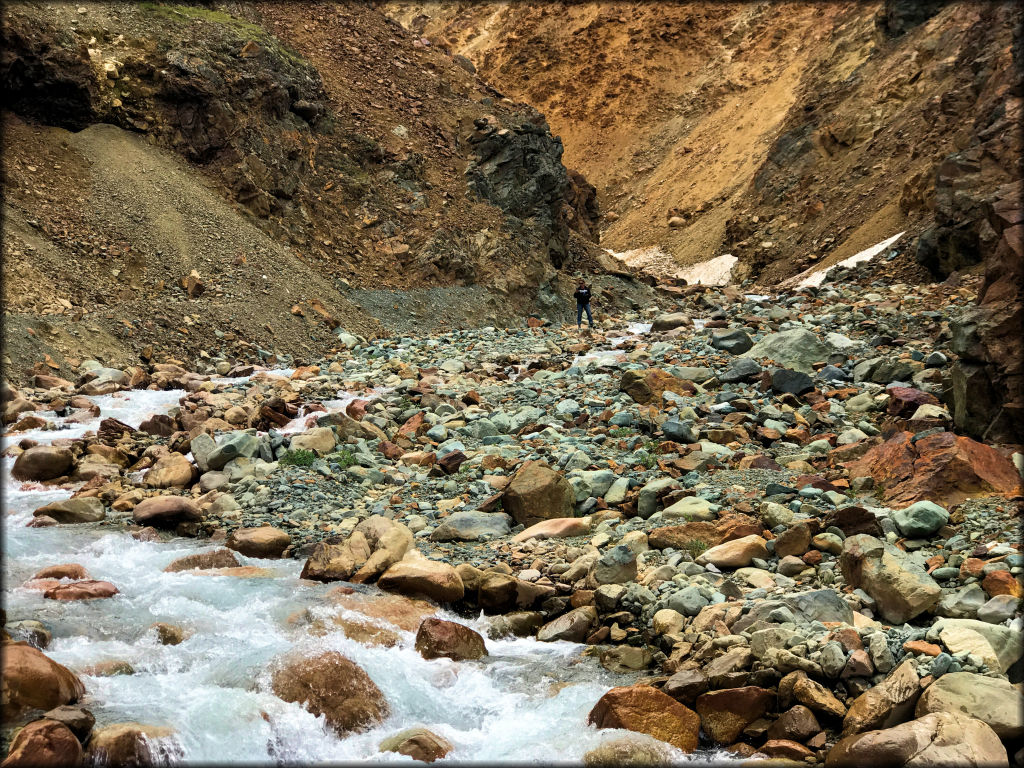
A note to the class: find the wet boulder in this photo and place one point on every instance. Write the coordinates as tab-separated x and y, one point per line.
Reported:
375	545
645	709
132	744
44	743
31	680
72	571
217	558
438	638
573	626
264	541
42	462
418	576
79	720
639	751
335	687
417	743
88	589
166	511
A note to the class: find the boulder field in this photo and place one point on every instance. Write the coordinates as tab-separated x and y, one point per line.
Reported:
782	546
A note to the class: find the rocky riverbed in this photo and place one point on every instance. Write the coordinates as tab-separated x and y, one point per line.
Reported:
744	517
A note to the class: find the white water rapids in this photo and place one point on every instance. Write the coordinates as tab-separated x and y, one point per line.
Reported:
526	702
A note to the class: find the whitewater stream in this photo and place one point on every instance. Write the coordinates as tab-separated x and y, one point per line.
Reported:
526	702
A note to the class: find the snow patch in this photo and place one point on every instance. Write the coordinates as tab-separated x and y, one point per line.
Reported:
716	271
814	278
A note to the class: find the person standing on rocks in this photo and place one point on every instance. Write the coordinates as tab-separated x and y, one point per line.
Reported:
582	297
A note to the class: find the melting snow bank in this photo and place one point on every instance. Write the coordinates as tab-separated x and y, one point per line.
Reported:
814	278
716	271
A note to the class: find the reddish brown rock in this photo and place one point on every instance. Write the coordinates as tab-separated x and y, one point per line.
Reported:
89	589
333	686
726	713
44	743
649	386
944	468
647	710
728	528
796	724
903	401
438	638
1002	583
31	680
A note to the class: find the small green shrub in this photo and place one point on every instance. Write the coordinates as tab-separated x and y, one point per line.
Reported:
649	461
696	547
620	432
345	458
297	458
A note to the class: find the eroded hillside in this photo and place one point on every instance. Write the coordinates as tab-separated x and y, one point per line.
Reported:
785	134
178	174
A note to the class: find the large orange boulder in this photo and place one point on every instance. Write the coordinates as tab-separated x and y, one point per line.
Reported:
418	576
171	471
32	680
406	613
44	743
438	638
647	710
335	687
944	468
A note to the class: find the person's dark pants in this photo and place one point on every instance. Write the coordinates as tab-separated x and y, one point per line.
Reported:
579	315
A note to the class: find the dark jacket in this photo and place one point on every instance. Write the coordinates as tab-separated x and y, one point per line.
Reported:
582	295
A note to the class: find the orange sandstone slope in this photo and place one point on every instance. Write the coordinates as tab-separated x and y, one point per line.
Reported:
785	133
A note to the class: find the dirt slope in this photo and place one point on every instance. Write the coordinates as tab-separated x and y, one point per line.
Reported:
145	141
